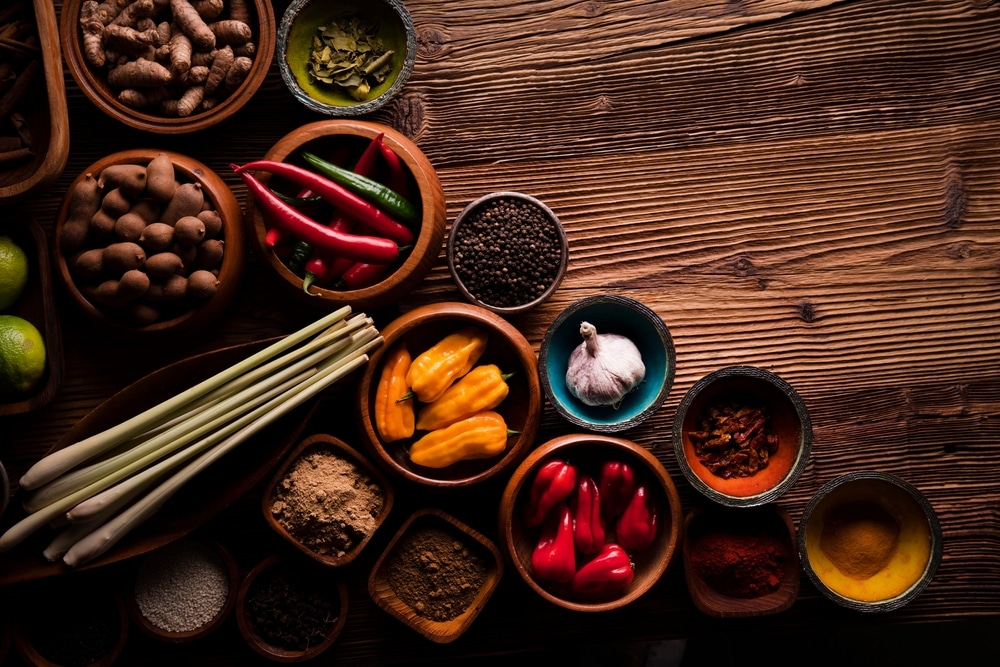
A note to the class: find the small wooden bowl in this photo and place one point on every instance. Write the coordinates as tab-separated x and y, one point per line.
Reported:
340	448
442	632
321	579
200	314
788	418
46	113
767	520
217	552
587	452
326	138
421	328
37	304
95	86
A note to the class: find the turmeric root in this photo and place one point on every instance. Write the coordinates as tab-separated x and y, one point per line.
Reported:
220	67
92	33
238	73
139	74
190	100
180	52
139	98
190	21
231	32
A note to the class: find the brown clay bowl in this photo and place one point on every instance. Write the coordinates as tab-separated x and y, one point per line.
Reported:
787	418
401	607
319	579
704	525
323	442
94	84
588	452
420	329
184	316
331	139
218	553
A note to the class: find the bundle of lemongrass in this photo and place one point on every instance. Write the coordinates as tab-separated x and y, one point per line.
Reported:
101	487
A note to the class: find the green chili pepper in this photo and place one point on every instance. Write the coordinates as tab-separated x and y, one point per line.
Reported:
389	200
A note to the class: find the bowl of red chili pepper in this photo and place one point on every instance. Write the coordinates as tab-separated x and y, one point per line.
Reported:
590	522
742	436
345	212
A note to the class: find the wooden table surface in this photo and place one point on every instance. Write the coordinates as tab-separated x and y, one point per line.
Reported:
808	186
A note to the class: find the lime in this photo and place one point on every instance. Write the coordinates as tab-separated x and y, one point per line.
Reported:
13	272
22	355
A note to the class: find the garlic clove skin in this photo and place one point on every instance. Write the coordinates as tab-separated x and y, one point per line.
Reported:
603	368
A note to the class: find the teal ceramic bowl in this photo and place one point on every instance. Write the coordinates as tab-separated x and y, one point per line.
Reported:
610	313
388	19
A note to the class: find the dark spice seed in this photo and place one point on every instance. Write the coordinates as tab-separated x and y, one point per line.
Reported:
289	610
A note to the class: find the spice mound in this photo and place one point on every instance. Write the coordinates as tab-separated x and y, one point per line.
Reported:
327	502
740	564
859	538
182	587
290	608
735	440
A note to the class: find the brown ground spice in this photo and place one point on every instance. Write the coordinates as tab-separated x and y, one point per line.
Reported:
859	538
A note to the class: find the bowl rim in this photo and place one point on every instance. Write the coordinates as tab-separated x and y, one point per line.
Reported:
933	560
662	331
350	110
563	251
801	457
4	488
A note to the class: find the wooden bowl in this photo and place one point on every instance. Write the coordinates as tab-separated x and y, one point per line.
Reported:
37	304
420	329
46	114
522	256
94	84
319	579
187	315
587	453
330	138
729	591
871	498
786	418
340	449
4	489
217	553
401	605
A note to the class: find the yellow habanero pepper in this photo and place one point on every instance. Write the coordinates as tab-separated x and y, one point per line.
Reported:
394	418
433	371
480	436
482	388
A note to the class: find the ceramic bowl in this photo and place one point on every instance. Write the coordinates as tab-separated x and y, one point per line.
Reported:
506	347
882	575
309	581
537	246
325	444
587	453
45	114
169	561
331	139
784	417
187	314
93	81
482	566
298	31
726	582
610	314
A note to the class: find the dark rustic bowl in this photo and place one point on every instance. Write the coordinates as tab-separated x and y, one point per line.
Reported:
421	328
441	632
767	520
324	138
4	489
587	452
609	313
339	447
789	419
920	543
295	34
486	201
95	86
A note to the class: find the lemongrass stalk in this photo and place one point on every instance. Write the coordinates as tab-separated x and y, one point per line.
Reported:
102	539
58	462
72	533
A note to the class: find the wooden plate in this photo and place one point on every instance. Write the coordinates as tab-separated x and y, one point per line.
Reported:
201	499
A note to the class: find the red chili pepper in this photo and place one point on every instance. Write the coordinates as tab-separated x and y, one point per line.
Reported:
273	237
296	223
553	483
397	171
637	525
554	558
369	158
345	200
610	571
588	521
617	484
362	274
322	268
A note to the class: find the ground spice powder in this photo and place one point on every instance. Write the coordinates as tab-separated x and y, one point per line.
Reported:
859	538
435	572
743	565
182	587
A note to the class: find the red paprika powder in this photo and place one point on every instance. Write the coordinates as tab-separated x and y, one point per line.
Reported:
740	564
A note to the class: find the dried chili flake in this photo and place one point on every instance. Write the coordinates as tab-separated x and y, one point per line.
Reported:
734	440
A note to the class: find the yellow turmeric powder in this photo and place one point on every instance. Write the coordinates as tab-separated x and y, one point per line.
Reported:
859	538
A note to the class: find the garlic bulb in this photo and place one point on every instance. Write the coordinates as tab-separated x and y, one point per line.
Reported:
604	367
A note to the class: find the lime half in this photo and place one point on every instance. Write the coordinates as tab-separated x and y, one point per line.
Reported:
22	356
